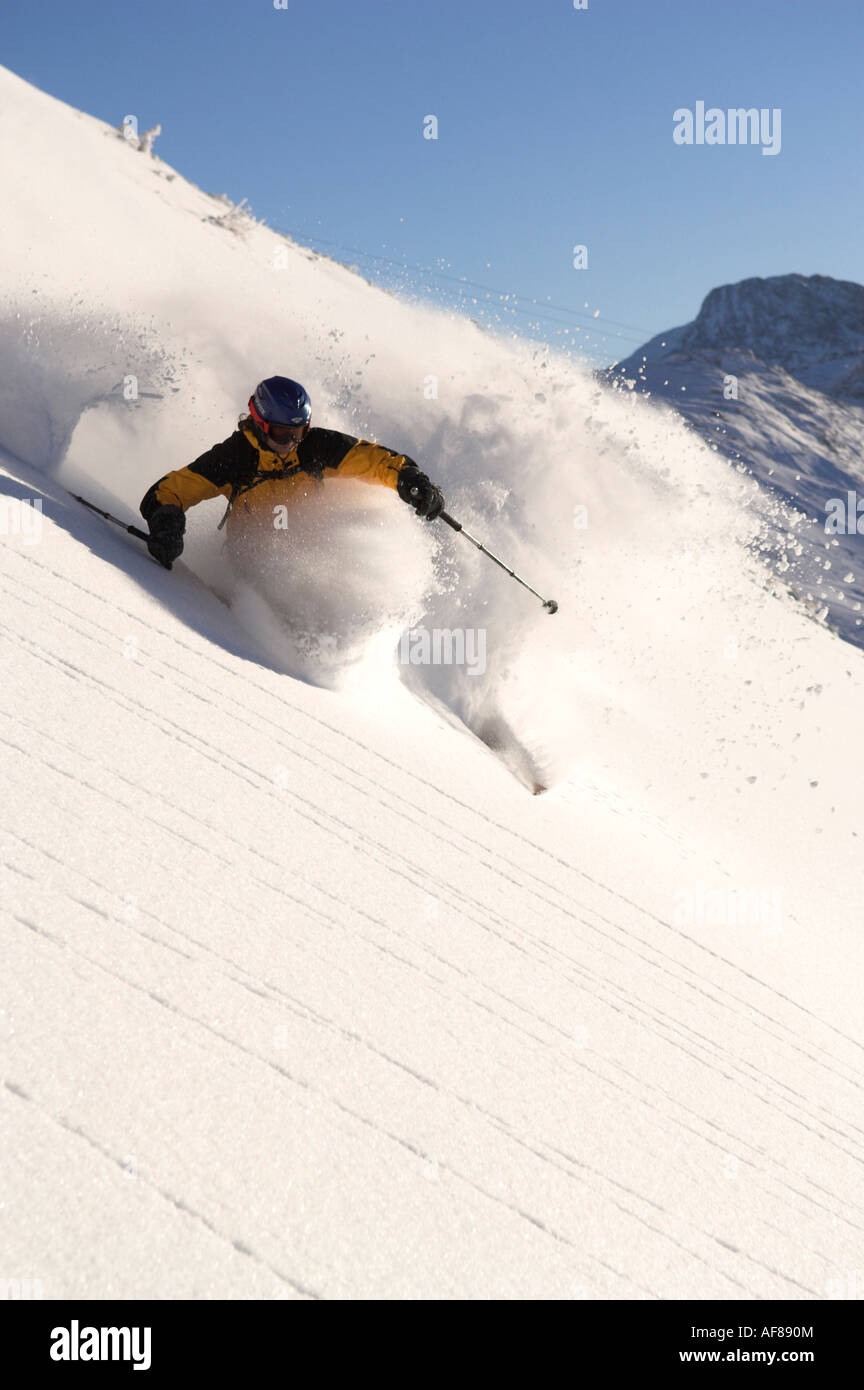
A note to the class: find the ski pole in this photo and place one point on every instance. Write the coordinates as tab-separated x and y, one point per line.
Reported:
133	530
548	603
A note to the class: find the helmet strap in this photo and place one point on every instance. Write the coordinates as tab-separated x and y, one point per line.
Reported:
262	425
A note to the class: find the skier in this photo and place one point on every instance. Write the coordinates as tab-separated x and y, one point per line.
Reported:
274	456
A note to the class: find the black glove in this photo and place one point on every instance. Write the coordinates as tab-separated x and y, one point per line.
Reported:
421	494
167	525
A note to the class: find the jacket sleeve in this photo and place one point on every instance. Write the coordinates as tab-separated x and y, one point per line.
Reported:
214	474
325	450
373	463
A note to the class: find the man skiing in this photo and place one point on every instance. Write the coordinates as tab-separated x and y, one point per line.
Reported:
272	458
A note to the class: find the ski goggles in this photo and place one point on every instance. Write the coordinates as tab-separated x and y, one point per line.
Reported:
285	434
279	433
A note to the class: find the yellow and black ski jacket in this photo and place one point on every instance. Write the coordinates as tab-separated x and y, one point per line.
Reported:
254	479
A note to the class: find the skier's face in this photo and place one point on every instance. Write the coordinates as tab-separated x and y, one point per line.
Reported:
283	439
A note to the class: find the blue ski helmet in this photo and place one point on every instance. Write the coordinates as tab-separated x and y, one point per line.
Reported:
280	401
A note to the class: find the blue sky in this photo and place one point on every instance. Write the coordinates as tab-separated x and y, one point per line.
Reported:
554	130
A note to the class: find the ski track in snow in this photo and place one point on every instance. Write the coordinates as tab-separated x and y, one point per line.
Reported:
701	1016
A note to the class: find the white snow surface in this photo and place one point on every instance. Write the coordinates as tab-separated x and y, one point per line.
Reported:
303	994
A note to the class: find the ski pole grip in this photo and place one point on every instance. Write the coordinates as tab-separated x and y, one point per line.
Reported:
445	516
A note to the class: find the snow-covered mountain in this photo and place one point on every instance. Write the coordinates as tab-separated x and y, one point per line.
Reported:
771	373
303	994
810	325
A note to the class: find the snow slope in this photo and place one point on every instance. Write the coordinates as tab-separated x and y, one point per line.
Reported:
303	994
